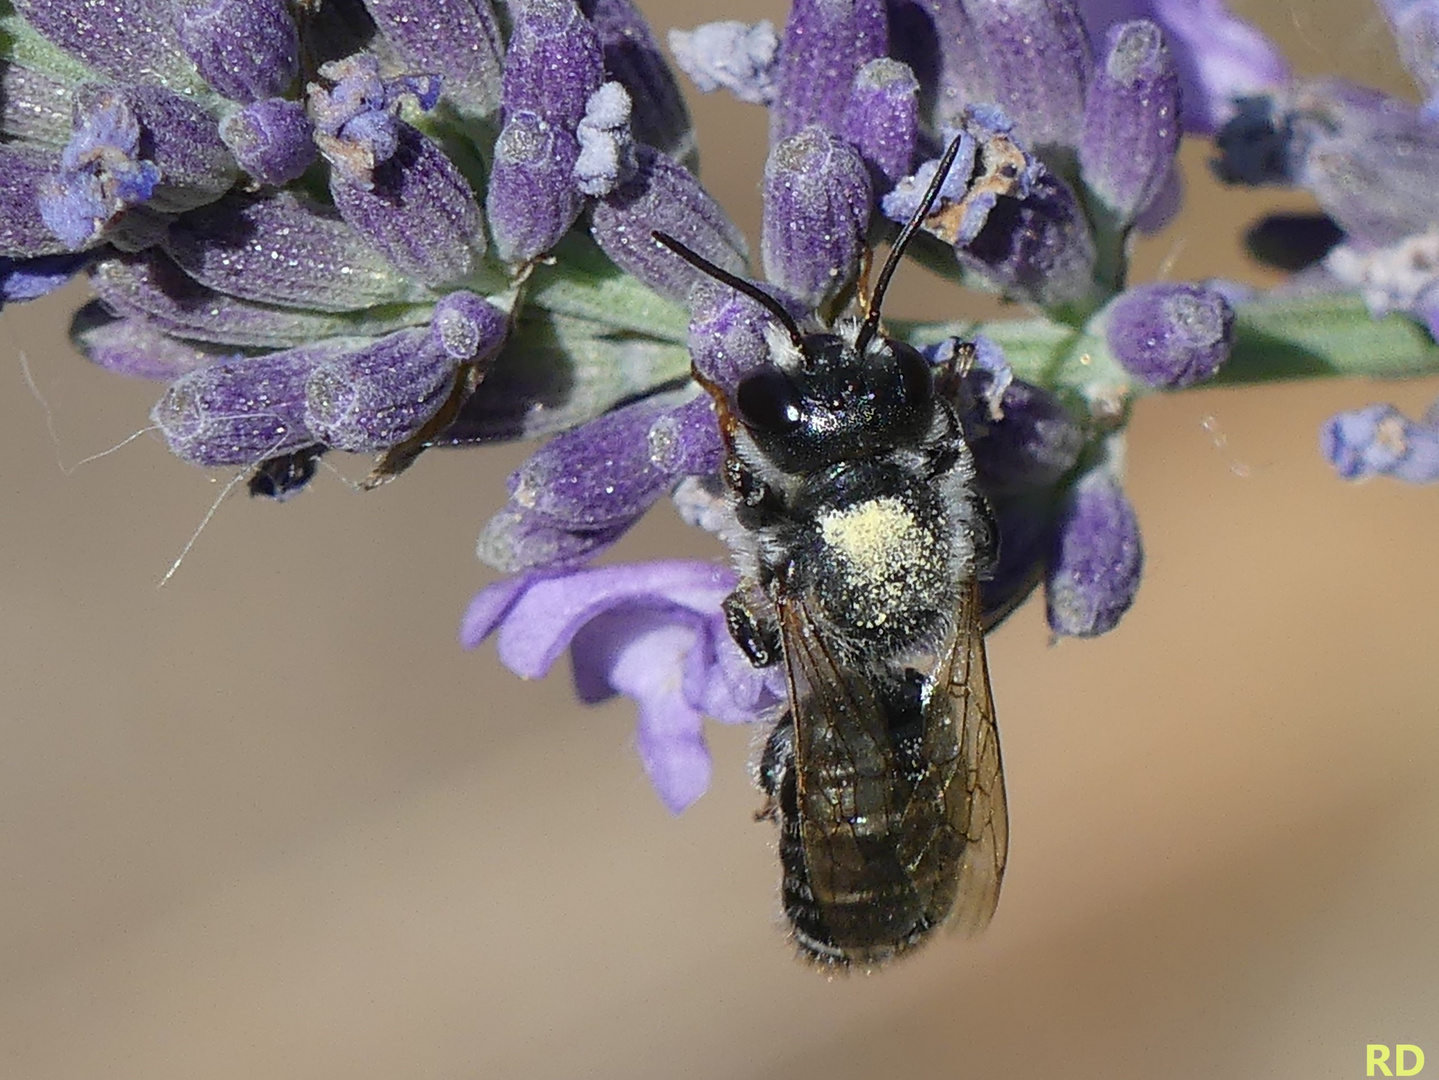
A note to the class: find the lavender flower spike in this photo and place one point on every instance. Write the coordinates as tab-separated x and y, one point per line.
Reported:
245	49
817	202
650	631
1131	121
1095	564
825	44
1171	335
1380	441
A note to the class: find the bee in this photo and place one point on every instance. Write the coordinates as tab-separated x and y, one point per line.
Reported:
864	539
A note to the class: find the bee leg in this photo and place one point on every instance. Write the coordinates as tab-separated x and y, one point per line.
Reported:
776	760
756	635
756	504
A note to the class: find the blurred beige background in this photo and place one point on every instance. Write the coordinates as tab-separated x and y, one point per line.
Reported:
270	821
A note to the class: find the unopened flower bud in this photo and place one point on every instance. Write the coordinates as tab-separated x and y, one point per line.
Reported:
1095	565
1171	335
245	49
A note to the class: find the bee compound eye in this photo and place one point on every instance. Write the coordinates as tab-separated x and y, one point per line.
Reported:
768	401
916	379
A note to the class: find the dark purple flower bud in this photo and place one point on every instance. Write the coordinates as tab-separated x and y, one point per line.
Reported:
1037	58
554	62
418	211
633	58
101	173
727	332
665	196
148	284
468	328
132	40
245	49
1171	335
532	199
1381	441
881	120
379	395
938	42
242	411
1097	558
817	202
281	249
356	126
273	140
607	149
457	39
29	279
1220	58
1131	121
34	107
1026	536
1039	248
732	56
136	346
603	473
516	540
685	440
1032	442
825	44
653	632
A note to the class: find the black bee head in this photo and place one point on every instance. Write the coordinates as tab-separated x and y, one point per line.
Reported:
835	405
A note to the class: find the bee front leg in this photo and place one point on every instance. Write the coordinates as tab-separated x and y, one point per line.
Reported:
756	633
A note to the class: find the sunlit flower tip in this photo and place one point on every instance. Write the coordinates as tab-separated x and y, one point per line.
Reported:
734	56
652	632
101	173
1171	335
378	396
1131	121
418	210
605	473
27	279
1220	58
607	149
554	62
132	40
881	119
136	346
664	196
1096	560
531	200
245	49
468	328
817	202
282	249
824	45
1416	33
459	40
1039	63
633	59
273	140
727	336
240	411
515	540
1381	441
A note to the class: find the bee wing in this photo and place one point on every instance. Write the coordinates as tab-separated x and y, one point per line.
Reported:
964	769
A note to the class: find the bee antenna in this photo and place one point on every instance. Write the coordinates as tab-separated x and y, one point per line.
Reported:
870	326
735	282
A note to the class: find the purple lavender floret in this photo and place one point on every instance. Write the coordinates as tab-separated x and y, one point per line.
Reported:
881	120
652	632
633	59
532	199
824	45
607	147
458	40
1171	335
554	63
1380	441
272	140
1096	561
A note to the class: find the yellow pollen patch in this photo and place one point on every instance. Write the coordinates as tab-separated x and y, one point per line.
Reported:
878	533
